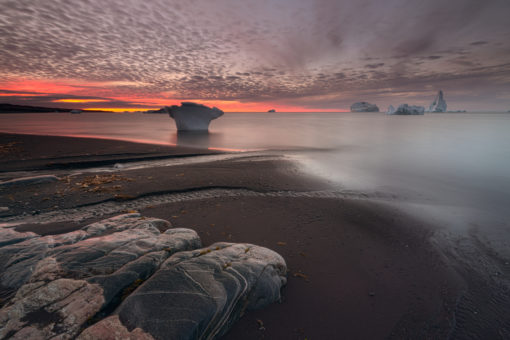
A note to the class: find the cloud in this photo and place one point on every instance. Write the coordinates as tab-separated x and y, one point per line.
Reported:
251	51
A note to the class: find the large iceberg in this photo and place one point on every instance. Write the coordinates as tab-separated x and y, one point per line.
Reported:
391	110
192	116
405	109
364	107
439	104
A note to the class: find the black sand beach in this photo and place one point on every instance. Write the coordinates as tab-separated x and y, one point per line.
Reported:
357	269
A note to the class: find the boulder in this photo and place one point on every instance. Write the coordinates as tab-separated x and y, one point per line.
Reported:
405	109
199	294
364	107
192	116
138	277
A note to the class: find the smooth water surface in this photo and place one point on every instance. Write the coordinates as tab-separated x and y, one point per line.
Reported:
456	165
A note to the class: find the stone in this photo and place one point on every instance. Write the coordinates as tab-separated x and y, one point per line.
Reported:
199	294
192	116
61	281
405	109
271	111
138	277
364	107
439	104
112	329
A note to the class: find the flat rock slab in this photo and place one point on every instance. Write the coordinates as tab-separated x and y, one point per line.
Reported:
122	278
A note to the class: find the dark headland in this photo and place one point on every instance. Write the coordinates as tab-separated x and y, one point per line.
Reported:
11	108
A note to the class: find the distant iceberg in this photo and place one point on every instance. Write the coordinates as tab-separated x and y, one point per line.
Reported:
439	104
405	109
391	110
272	110
192	116
364	107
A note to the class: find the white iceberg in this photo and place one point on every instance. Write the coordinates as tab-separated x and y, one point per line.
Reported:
391	110
364	107
405	109
439	104
192	116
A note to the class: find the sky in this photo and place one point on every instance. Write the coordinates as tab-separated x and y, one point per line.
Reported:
244	55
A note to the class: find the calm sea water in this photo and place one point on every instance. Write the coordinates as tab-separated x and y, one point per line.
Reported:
454	168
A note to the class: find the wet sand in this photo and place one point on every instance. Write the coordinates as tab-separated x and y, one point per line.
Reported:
358	269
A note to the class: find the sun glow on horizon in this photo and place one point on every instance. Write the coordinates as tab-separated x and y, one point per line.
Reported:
126	101
79	100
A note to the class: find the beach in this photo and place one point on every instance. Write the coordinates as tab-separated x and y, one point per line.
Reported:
356	268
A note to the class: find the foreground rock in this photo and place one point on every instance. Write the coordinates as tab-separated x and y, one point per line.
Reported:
364	107
405	109
192	116
158	281
199	294
439	104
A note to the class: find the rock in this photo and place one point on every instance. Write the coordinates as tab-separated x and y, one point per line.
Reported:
405	109
10	236
30	180
439	104
63	280
272	110
199	294
4	209
112	329
154	277
391	110
364	107
192	116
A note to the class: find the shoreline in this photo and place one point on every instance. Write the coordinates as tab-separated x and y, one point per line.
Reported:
357	268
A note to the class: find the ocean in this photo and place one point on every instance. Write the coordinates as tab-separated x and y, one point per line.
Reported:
452	169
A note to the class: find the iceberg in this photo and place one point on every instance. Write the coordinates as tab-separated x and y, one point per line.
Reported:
364	107
439	104
192	117
391	110
272	110
405	109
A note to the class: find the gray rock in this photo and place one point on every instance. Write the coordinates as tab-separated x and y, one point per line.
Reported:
364	107
112	329
405	109
158	283
43	179
199	294
63	280
192	116
11	236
